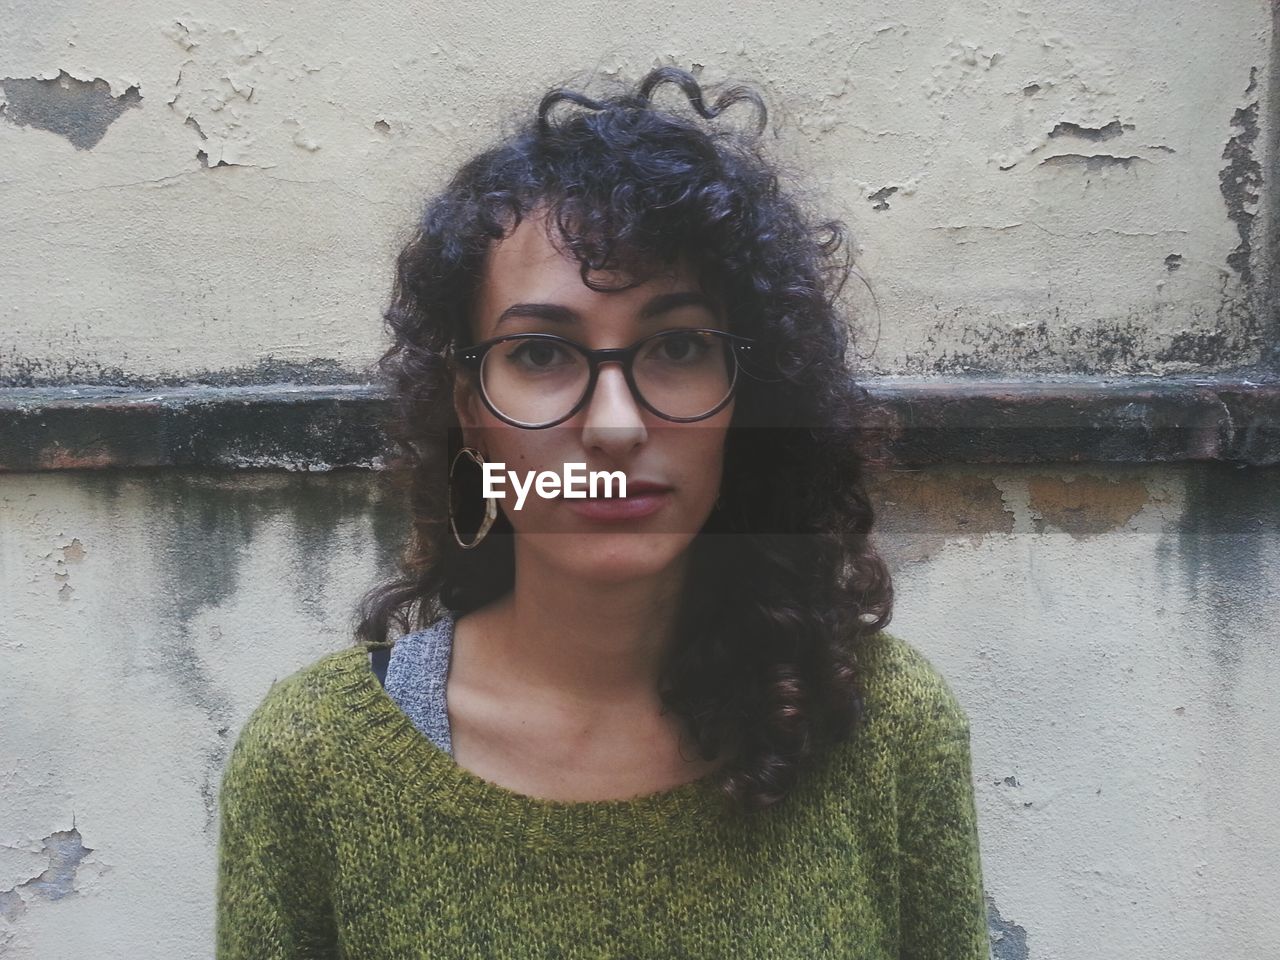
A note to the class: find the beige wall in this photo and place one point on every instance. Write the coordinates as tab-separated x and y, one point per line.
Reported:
1001	246
1041	188
1111	633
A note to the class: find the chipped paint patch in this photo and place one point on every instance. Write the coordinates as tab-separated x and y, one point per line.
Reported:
64	853
919	512
10	906
1084	506
1008	939
880	199
1107	131
78	110
1092	162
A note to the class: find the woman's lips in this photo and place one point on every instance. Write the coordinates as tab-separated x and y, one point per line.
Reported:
638	503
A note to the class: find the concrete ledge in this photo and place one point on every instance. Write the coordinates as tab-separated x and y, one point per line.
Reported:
1139	420
911	421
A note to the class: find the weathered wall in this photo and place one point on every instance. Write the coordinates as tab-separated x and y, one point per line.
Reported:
1044	187
1113	634
1110	631
1074	190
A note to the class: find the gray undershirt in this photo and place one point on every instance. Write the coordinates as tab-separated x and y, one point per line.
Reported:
416	675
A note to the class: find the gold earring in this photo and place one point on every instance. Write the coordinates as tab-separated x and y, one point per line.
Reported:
491	503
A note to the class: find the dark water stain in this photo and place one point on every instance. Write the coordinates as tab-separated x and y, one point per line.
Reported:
1269	306
20	371
203	527
1241	182
1219	548
956	344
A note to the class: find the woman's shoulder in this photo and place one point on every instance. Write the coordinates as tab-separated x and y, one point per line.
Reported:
298	709
906	692
273	790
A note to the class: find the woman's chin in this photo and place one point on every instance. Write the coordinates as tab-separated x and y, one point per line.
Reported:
608	557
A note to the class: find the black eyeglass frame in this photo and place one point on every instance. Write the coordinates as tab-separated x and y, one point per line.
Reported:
473	356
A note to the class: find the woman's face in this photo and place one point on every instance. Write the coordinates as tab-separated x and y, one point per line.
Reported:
611	432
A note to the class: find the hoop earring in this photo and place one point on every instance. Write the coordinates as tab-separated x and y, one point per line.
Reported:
491	504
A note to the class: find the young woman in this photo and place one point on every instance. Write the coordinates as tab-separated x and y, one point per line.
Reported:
663	725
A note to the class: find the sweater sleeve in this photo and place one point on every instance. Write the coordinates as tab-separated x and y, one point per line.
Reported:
272	890
943	909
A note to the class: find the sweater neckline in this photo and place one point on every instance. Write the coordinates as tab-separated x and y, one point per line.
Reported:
427	779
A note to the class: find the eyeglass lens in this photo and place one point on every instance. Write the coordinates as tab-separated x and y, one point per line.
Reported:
682	373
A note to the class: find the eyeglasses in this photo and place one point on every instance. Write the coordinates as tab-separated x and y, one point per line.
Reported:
537	380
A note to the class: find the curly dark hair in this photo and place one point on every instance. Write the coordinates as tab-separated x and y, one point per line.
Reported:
784	584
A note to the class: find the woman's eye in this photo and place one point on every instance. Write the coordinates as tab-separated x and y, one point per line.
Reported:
680	348
537	354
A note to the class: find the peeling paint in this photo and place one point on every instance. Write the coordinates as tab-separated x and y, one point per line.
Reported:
216	92
919	512
239	94
203	158
79	110
1084	506
1070	130
1241	181
74	551
962	69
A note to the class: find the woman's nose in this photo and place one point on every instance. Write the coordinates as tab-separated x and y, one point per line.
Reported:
614	421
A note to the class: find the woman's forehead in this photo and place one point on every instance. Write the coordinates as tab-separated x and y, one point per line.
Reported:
527	266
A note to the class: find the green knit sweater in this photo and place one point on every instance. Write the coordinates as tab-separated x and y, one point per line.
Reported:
345	832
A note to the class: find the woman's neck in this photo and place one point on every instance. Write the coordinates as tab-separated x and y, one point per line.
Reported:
596	645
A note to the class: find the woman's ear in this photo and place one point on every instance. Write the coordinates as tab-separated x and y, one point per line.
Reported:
466	404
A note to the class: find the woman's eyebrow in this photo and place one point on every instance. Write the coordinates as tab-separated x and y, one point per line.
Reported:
556	313
666	302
